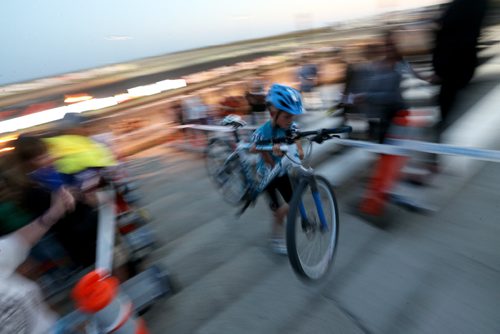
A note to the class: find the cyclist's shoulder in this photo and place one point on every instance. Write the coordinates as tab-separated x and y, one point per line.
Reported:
262	132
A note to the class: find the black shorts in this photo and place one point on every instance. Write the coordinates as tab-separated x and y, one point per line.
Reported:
284	186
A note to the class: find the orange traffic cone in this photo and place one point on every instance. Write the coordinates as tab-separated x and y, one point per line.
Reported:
112	311
387	172
388	169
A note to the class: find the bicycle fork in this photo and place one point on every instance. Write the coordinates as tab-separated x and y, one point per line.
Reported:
319	208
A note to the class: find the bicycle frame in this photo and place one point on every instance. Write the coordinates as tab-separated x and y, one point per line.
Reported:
255	189
317	218
307	175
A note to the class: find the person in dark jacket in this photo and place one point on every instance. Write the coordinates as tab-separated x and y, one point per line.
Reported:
455	51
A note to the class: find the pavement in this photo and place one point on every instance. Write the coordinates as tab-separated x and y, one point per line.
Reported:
435	273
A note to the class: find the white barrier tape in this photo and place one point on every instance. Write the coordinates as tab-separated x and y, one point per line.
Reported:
373	147
217	128
393	146
426	147
406	147
105	231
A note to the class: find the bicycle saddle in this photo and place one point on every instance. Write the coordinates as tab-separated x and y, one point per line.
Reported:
233	120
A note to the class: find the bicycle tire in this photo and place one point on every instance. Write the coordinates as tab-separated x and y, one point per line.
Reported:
216	153
296	228
235	186
226	173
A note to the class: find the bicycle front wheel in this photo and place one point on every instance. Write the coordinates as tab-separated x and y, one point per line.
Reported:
312	228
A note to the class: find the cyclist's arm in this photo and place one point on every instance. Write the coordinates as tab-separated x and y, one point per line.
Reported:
266	155
268	159
300	150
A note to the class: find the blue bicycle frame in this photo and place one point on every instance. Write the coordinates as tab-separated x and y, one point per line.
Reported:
253	190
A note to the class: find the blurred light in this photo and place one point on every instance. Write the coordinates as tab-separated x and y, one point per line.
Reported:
123	97
8	138
156	88
171	84
55	114
81	103
144	90
28	121
77	98
93	104
5	149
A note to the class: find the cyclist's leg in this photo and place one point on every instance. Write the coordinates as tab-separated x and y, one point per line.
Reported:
278	243
272	194
284	186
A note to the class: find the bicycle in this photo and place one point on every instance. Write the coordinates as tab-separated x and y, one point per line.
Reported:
218	149
313	218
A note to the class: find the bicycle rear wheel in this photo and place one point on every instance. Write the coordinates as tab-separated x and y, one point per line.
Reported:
233	186
311	245
218	150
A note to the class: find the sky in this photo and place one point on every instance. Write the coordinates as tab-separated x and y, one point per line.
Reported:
43	38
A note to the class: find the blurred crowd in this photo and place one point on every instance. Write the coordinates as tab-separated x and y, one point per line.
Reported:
49	215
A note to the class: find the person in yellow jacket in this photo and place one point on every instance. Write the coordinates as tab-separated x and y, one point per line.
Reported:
76	155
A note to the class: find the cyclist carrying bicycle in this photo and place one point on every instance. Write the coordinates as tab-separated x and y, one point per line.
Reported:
284	103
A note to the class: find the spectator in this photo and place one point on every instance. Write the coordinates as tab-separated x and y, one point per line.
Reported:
256	98
373	89
176	108
36	180
455	51
356	76
307	74
195	110
22	309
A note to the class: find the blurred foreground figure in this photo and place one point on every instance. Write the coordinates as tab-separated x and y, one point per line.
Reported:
388	116
22	309
455	51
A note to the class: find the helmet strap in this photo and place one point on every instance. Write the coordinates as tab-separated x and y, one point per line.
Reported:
275	124
276	117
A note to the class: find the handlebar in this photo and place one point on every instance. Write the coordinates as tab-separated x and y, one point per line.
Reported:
319	136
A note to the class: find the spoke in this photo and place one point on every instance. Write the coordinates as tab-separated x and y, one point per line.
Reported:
312	249
320	237
309	256
309	247
305	245
321	234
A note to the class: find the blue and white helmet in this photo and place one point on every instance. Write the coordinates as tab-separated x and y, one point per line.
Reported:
285	98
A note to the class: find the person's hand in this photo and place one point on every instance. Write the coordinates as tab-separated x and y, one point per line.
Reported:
433	79
300	152
277	150
90	198
62	202
358	98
